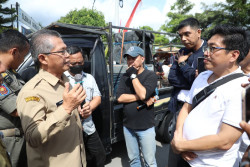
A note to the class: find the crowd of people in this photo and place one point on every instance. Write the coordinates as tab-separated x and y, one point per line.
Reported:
47	121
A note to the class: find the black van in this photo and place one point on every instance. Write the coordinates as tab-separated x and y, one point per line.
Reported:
106	71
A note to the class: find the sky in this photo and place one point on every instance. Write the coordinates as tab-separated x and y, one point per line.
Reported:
150	12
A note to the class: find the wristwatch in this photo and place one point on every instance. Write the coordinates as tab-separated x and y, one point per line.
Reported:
133	76
183	63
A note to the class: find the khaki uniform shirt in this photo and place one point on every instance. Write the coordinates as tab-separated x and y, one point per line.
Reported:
53	137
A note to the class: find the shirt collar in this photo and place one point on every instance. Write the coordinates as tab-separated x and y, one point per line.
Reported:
50	78
69	75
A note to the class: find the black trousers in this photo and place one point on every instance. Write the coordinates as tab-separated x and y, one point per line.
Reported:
95	152
175	160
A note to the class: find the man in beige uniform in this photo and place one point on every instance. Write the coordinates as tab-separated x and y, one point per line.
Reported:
48	108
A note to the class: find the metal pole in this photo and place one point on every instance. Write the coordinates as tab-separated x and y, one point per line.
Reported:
110	44
144	46
17	21
11	17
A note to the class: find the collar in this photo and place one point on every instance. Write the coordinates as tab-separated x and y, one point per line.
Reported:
67	74
51	78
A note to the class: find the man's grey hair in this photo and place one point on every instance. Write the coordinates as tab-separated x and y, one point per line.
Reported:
40	43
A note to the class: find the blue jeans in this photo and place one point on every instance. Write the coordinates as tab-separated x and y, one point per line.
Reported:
143	140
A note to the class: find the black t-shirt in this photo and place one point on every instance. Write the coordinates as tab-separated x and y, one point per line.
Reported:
132	118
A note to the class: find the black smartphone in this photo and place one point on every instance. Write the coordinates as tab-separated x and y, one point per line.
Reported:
201	67
246	104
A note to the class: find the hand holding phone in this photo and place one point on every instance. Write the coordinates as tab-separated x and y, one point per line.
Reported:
246	104
201	67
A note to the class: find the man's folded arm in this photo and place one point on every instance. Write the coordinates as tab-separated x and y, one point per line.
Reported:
224	140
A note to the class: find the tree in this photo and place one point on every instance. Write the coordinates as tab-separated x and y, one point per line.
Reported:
6	16
179	11
159	38
84	16
234	12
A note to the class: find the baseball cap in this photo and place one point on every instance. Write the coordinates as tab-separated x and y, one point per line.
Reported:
134	51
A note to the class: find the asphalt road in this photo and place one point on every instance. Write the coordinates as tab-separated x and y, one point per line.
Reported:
119	156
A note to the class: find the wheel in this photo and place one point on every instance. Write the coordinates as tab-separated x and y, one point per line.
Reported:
163	132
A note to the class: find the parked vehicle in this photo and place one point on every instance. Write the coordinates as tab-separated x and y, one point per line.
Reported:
108	116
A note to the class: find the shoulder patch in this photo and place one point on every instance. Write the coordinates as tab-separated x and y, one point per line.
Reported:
32	98
4	74
4	90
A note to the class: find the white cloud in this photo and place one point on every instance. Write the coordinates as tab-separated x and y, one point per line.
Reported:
48	11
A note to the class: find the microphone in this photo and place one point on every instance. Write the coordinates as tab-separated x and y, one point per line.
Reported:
140	107
78	79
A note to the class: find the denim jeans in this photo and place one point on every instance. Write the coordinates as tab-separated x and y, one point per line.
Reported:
143	140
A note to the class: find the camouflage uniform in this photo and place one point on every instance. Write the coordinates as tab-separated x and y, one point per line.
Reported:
10	126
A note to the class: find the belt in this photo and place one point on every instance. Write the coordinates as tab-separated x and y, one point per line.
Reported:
18	132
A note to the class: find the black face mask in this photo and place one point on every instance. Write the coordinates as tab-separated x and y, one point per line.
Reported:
76	69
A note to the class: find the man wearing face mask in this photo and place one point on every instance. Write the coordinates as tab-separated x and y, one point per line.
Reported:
95	151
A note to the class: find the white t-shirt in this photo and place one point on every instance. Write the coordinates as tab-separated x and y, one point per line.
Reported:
183	94
223	105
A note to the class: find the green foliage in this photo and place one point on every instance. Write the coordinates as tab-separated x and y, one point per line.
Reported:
233	12
7	15
161	39
84	16
179	11
146	28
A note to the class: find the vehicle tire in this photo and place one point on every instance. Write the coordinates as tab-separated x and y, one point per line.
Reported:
163	132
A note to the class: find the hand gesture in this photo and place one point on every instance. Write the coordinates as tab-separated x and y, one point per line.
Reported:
245	84
85	111
246	127
176	142
131	70
188	156
72	98
181	57
150	101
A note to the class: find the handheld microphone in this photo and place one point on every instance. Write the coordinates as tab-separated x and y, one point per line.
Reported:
78	79
140	107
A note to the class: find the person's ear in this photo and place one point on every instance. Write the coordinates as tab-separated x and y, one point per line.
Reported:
13	52
199	32
234	55
143	59
43	59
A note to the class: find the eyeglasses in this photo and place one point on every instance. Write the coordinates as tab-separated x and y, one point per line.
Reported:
211	49
76	63
63	52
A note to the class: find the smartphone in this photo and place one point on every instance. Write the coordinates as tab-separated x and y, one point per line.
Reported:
201	66
246	104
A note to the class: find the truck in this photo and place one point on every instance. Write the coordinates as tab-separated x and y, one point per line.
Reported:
107	71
